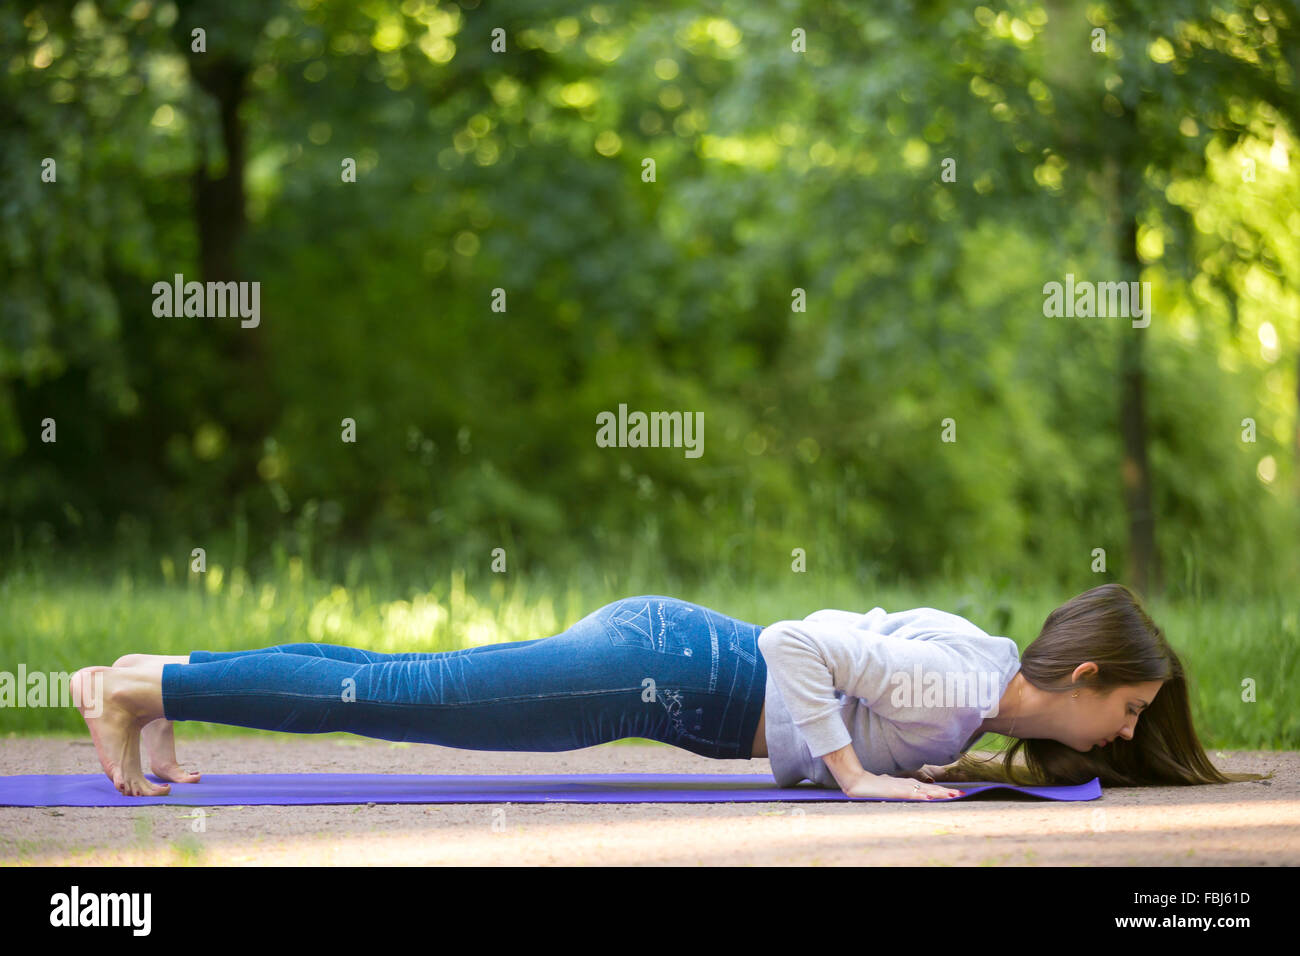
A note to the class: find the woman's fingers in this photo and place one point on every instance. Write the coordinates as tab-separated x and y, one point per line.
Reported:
937	792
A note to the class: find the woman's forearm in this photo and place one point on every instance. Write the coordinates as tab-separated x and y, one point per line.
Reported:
845	766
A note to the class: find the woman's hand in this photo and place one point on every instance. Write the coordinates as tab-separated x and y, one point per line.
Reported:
897	788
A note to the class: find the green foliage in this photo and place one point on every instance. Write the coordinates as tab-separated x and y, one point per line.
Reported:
775	171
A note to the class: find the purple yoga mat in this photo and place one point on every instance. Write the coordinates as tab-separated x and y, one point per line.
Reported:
284	789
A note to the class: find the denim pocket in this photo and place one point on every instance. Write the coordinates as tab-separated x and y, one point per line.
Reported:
652	624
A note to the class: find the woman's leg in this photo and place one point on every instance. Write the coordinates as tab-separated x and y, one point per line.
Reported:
635	668
341	652
158	736
502	697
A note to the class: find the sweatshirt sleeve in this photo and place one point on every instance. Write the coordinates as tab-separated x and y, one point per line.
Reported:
810	660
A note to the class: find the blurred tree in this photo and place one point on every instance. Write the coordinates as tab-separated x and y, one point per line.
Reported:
800	269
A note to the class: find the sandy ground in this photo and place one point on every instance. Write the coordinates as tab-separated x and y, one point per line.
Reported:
1242	824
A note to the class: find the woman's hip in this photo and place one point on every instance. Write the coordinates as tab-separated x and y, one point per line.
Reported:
692	645
700	666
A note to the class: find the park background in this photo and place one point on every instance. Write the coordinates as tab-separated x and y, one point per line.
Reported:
796	146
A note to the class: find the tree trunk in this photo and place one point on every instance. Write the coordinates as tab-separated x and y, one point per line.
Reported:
243	406
1143	559
219	200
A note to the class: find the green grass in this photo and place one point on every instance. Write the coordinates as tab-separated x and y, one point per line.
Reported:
52	619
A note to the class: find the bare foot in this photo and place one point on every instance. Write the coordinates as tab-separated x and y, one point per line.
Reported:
160	743
159	736
115	730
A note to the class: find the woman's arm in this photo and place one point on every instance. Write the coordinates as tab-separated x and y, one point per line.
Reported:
845	766
856	781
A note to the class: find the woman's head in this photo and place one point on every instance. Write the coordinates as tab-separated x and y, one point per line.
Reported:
1132	691
1100	715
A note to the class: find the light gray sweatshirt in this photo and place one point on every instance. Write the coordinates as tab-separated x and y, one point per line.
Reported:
905	689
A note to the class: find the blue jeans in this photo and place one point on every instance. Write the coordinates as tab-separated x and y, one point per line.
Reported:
649	666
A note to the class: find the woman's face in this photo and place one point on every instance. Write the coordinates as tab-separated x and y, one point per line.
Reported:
1100	718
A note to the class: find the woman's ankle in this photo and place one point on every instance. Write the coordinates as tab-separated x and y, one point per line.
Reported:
137	690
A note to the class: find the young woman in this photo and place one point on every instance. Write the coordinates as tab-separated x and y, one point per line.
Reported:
871	703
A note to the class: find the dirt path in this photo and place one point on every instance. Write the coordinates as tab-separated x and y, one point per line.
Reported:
1244	824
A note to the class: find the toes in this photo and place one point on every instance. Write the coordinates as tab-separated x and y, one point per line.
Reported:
144	788
175	773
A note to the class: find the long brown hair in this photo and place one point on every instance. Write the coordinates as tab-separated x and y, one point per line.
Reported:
1108	626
